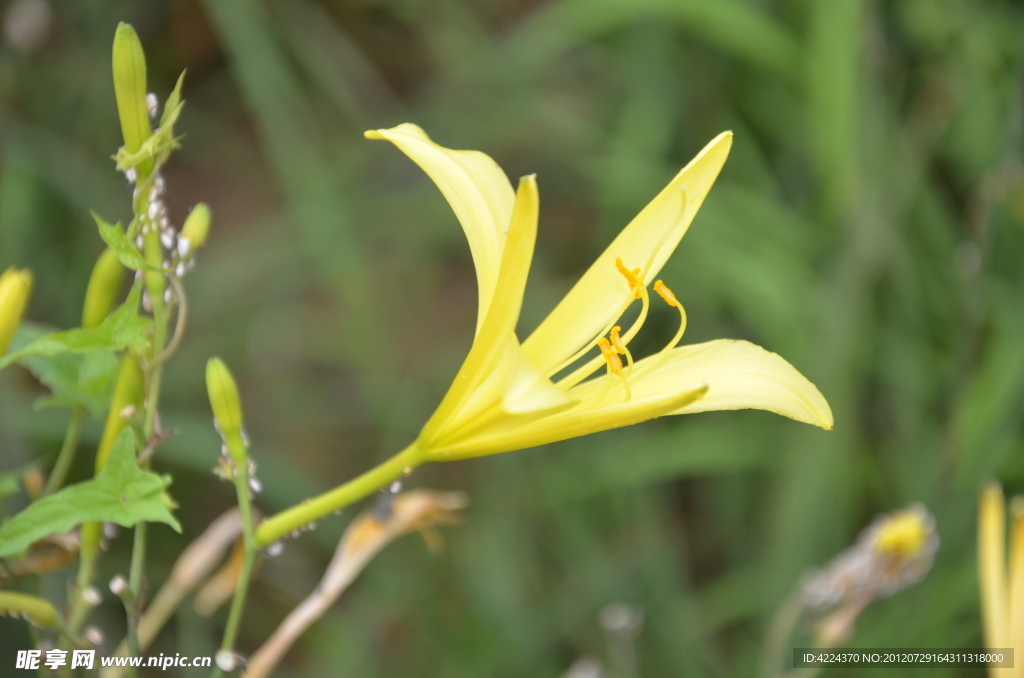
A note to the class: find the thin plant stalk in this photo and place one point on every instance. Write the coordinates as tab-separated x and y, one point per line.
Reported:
285	522
236	446
67	452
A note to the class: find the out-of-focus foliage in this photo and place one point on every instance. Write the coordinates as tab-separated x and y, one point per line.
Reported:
868	227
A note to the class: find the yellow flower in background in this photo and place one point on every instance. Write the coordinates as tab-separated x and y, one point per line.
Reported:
1001	584
15	288
511	395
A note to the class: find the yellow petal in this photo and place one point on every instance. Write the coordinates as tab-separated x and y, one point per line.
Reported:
1016	579
573	423
992	565
649	239
739	375
498	327
478	191
527	390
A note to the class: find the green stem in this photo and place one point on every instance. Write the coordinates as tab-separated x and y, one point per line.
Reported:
239	453
134	599
155	285
67	452
311	510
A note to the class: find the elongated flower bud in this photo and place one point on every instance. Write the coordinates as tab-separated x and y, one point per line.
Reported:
129	391
197	226
129	65
15	288
227	408
104	284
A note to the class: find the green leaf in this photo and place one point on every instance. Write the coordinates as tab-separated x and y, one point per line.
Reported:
173	100
118	240
156	147
119	330
121	493
10	483
74	379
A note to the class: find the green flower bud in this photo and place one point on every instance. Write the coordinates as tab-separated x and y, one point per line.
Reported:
15	288
197	226
227	409
104	284
128	392
129	64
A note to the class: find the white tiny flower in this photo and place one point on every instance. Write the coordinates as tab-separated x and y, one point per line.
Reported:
225	660
118	585
92	595
183	246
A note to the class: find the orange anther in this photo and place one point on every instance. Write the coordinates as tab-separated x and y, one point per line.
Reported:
665	293
616	340
632	277
610	356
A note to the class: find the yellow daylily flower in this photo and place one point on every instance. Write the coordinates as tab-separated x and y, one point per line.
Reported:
1001	582
511	395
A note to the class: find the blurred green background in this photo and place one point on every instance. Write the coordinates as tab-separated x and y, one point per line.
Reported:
867	227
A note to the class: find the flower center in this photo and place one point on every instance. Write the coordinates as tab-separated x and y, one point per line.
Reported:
615	344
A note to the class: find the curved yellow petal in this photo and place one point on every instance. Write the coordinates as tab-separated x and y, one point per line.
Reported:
739	376
497	331
572	423
645	243
992	565
478	191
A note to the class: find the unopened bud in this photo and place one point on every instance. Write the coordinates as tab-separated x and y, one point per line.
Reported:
129	65
15	288
118	585
128	392
196	228
92	595
227	409
94	635
104	284
225	660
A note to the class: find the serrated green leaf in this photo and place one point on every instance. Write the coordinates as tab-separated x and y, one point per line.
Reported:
118	240
119	330
74	379
121	493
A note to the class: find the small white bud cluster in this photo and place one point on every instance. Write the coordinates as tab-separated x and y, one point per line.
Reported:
225	469
178	250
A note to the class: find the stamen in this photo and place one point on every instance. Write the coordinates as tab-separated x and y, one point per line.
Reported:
610	356
670	299
639	292
665	293
632	277
588	368
617	344
614	368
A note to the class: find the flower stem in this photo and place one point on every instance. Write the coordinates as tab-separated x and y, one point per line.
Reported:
67	452
155	285
310	510
238	451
